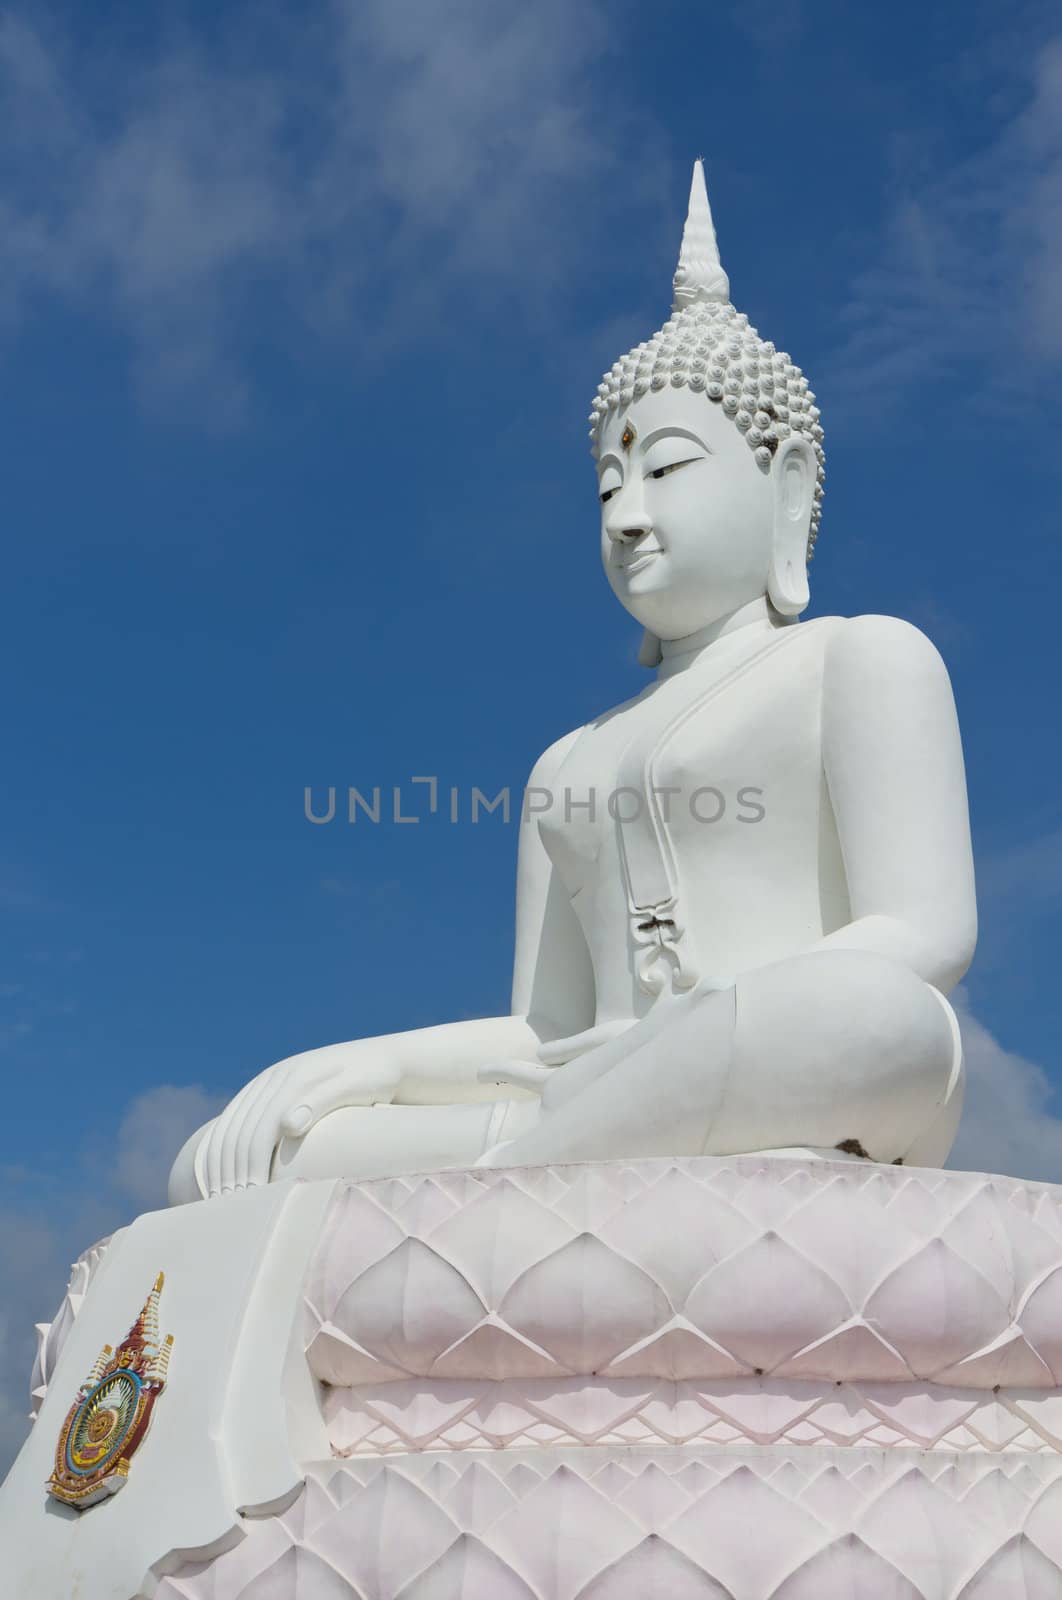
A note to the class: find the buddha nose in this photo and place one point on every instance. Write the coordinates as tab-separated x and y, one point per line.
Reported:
628	518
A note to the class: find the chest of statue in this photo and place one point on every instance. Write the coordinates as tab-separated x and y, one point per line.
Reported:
691	826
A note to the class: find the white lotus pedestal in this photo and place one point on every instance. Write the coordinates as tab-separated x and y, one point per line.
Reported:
743	1379
698	1379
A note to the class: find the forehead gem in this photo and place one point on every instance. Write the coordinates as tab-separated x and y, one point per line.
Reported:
628	437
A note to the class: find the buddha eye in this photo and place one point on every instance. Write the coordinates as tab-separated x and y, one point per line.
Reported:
606	495
662	472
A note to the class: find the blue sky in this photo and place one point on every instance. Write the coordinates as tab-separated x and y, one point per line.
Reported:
301	310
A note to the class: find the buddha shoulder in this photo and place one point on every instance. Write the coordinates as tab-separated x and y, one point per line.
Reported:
549	762
885	687
864	653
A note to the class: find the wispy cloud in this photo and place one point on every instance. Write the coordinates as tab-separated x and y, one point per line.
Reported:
966	281
1019	889
360	155
1011	1122
33	1274
152	1131
41	1232
42	991
1029	872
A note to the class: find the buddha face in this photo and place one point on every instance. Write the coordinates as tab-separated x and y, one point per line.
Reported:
687	513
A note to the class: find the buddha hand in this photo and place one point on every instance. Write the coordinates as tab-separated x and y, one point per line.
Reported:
284	1101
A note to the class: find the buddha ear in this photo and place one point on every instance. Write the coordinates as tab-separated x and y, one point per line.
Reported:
794	471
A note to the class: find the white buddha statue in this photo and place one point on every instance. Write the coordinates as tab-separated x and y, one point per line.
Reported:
742	895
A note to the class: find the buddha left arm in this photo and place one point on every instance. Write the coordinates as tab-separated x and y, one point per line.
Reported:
897	784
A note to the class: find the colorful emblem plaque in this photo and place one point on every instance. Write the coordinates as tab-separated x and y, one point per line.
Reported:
106	1425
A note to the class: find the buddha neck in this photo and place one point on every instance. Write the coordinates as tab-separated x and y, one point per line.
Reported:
759	615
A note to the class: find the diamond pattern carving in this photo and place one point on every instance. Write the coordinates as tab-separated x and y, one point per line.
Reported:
738	1379
770	1525
693	1269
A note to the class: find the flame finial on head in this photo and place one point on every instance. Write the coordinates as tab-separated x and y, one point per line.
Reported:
699	276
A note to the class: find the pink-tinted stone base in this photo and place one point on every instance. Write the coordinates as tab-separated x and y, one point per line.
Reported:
739	1379
804	1524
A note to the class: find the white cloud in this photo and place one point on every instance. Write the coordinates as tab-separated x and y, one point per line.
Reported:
1019	890
45	1231
967	277
33	1275
1010	1122
152	1131
371	165
1028	873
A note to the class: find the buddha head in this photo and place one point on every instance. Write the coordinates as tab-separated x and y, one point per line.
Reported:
709	458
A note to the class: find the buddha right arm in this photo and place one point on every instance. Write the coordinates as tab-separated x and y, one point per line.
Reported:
423	1066
553	995
553	978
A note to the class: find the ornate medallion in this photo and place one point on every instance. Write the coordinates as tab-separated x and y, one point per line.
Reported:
105	1426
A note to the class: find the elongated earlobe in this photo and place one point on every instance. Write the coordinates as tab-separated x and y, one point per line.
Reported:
793	471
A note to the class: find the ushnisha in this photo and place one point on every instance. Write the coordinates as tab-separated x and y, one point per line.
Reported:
760	986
